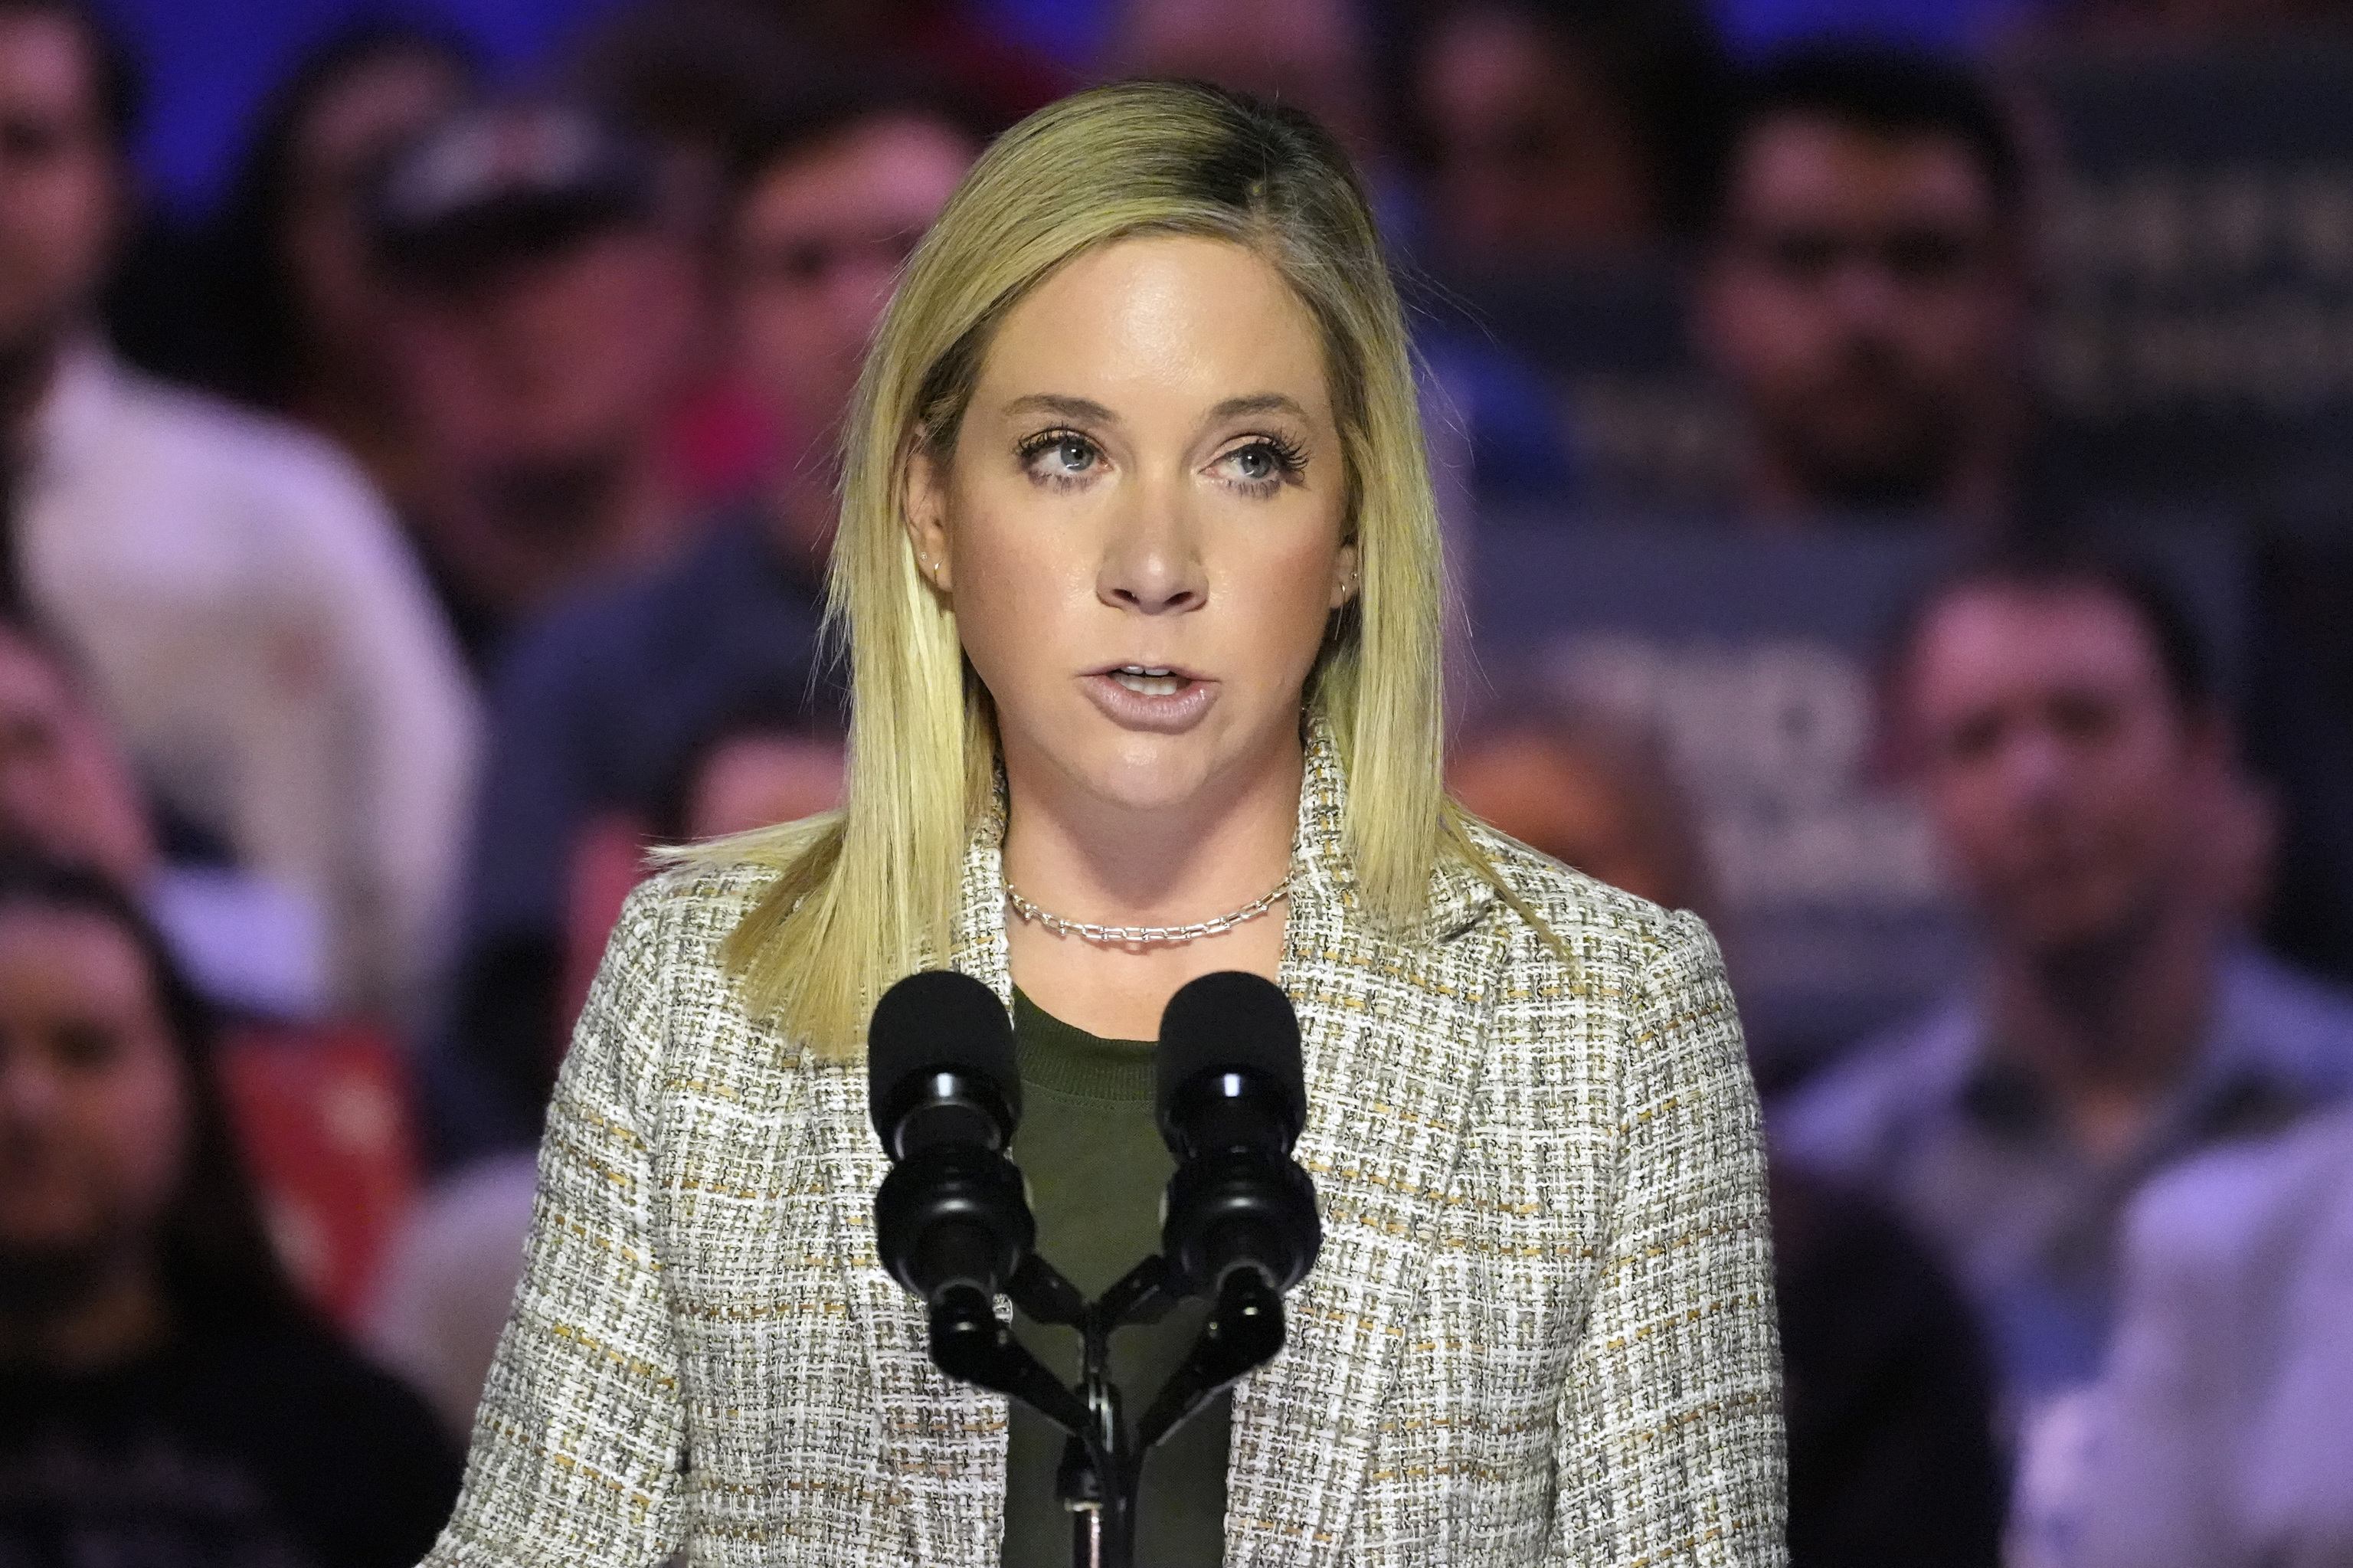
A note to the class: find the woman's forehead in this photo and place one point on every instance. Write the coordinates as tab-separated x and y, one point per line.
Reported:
1160	320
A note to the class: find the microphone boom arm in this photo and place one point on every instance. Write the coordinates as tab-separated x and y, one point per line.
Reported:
1243	1333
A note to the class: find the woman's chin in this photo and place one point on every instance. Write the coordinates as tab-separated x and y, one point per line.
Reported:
1165	777
1144	773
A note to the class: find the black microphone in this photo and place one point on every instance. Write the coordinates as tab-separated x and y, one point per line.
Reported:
1232	1098
950	1221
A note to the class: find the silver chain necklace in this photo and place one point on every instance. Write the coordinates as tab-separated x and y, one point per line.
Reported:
1145	936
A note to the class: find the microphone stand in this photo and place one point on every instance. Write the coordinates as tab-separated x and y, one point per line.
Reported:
1103	1462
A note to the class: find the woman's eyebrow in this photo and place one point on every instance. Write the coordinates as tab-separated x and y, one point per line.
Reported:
1259	403
1085	409
1088	410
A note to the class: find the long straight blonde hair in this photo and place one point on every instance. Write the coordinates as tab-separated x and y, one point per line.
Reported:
868	894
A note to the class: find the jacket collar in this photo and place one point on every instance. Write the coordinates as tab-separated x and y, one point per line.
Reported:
1390	1028
1320	872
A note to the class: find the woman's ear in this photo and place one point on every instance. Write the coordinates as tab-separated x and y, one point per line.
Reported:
1343	575
927	518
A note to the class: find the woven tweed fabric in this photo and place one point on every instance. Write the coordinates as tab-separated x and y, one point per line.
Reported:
1541	1329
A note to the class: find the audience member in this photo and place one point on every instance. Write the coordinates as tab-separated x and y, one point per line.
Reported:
599	709
167	1398
546	311
1560	135
2219	1431
693	79
1589	787
2058	717
240	598
754	774
66	790
299	292
664	63
66	794
1317	56
1864	289
1888	1403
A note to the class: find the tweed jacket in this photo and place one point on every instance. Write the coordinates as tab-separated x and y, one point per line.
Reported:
1541	1328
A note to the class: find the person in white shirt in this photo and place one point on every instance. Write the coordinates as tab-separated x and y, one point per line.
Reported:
244	607
2219	1434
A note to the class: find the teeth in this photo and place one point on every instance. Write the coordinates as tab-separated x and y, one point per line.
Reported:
1149	682
1139	670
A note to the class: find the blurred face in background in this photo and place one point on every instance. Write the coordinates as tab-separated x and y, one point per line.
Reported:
2066	781
817	245
347	131
60	181
553	360
65	793
1310	54
758	778
94	1105
1864	299
1539	160
1565	803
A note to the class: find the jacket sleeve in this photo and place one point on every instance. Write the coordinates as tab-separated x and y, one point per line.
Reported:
578	1448
1669	1446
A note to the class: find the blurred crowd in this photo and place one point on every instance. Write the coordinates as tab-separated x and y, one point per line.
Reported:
1900	506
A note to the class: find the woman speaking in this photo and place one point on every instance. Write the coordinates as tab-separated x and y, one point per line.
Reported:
1139	569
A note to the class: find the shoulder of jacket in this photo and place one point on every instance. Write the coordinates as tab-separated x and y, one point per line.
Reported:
1589	916
692	901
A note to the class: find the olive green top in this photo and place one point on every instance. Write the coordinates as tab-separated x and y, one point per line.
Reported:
1096	1169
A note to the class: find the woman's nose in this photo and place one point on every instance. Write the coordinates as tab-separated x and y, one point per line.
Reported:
1151	559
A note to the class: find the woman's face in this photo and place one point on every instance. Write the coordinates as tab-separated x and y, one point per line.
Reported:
1141	524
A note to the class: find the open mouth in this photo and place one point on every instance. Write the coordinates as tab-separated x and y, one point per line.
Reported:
1148	681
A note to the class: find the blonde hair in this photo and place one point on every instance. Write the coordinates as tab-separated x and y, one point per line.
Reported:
868	894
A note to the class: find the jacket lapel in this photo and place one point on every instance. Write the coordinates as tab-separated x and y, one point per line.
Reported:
1384	1028
944	1443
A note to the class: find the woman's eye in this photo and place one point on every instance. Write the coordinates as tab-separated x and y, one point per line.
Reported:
1062	456
1260	463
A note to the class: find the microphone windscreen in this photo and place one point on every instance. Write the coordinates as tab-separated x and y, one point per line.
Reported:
936	1019
1230	1020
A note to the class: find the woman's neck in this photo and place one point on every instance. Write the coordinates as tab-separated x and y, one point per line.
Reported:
1084	859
